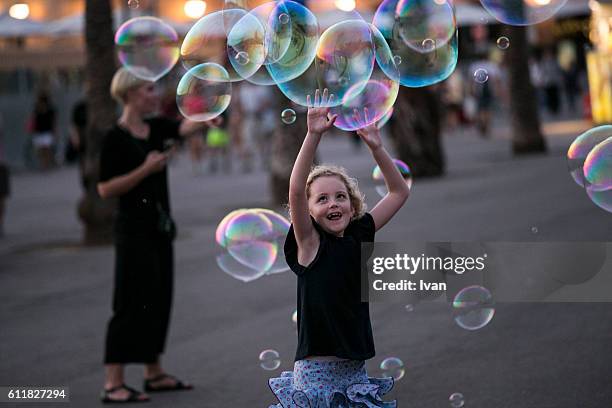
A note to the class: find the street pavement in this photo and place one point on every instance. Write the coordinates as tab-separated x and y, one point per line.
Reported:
56	294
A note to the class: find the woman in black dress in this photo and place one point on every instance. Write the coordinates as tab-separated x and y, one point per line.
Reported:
133	168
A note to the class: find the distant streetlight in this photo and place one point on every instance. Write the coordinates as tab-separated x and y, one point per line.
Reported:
20	11
195	8
345	5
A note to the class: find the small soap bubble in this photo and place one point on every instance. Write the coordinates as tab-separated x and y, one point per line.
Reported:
397	59
133	4
283	18
481	75
503	42
534	230
269	360
456	400
428	45
393	367
242	58
409	307
288	116
473	307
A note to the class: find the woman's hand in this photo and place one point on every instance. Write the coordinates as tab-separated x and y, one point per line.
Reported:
155	162
369	134
319	120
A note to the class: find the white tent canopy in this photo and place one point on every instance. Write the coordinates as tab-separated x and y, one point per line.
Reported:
13	27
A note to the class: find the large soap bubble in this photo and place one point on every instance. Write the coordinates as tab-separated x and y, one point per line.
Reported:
522	12
259	38
367	101
432	64
425	25
206	41
581	147
204	92
598	174
147	47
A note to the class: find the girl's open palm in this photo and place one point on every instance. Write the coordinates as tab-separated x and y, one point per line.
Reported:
370	133
319	120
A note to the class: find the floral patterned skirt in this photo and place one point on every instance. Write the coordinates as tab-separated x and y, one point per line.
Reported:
330	384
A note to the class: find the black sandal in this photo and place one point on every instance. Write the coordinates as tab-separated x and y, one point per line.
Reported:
134	395
178	386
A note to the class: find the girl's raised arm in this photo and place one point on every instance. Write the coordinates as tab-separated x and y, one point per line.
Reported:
318	123
398	193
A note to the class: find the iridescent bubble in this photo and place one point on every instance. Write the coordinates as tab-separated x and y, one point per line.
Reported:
288	116
397	59
248	240
345	58
385	118
220	236
473	307
503	42
284	18
393	367
133	4
280	228
368	101
581	147
598	174
263	38
206	42
418	68
379	180
421	22
299	56
481	75
147	47
237	270
204	92
534	230
409	308
456	400
269	360
522	12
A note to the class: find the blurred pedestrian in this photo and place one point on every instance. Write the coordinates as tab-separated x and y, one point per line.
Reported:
552	79
133	168
257	123
43	122
218	143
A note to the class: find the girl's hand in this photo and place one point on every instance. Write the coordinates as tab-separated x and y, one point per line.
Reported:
369	134
319	120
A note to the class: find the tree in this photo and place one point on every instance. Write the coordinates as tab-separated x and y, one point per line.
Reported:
415	129
95	213
526	134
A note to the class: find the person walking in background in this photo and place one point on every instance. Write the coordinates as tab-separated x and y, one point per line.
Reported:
217	142
551	81
257	125
43	122
133	168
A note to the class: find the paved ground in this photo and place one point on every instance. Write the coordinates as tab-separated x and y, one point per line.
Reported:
56	295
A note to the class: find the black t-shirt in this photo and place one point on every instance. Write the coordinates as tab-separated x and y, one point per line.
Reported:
44	120
332	319
122	153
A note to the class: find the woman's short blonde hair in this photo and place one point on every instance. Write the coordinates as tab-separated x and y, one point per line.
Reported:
352	187
122	82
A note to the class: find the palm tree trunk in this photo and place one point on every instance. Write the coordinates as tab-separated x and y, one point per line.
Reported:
415	129
526	134
95	213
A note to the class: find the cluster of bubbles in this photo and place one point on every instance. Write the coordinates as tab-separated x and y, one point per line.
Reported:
473	307
269	360
589	160
252	240
379	180
280	43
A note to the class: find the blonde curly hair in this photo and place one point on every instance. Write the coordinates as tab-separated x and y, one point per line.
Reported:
356	197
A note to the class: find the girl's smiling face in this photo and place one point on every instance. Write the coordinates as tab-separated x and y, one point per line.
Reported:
329	204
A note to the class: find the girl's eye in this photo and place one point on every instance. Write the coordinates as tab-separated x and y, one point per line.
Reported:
322	198
341	195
